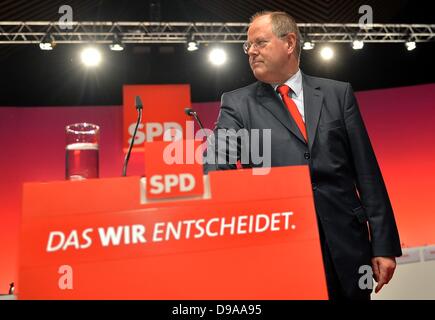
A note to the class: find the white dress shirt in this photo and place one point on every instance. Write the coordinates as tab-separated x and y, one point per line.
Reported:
296	91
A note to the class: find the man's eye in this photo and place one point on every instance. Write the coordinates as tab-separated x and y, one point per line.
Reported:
261	43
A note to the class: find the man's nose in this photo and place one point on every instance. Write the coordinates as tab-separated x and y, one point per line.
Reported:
252	51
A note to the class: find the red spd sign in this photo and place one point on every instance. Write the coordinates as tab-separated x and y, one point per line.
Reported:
163	113
173	169
251	240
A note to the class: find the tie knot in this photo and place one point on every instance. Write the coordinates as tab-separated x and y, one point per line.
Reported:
283	89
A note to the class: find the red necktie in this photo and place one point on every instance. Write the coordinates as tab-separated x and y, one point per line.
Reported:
292	108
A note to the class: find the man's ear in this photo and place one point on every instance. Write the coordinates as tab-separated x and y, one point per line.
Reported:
291	42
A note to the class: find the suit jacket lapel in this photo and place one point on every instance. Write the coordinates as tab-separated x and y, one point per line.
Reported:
313	101
270	100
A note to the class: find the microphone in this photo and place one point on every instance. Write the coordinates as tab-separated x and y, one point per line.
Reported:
192	113
139	107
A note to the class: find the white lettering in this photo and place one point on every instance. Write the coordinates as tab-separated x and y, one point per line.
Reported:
157	231
230	225
51	240
140	136
137	233
109	236
156	184
72	240
241	224
257	224
187	182
153	129
171	180
275	221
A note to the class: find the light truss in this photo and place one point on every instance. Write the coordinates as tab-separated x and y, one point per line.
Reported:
32	32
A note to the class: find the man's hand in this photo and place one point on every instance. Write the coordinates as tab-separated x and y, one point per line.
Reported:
383	270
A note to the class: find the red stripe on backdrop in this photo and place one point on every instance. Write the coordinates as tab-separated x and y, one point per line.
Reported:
400	122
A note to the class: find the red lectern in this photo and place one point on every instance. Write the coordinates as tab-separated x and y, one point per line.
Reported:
252	237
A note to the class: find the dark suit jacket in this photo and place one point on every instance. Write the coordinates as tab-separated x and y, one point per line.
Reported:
348	187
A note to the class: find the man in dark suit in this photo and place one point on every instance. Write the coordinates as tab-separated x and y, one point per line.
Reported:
315	122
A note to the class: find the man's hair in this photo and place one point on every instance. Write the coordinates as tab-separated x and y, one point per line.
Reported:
282	24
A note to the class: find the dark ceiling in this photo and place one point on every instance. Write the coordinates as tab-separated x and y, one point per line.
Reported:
31	77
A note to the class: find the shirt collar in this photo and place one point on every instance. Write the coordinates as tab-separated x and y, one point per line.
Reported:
295	83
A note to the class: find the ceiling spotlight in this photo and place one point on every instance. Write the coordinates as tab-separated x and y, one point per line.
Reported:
308	45
410	45
116	47
217	56
357	44
192	44
91	57
117	44
47	43
327	53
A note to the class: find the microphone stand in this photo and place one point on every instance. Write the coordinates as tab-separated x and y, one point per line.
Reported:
192	113
139	108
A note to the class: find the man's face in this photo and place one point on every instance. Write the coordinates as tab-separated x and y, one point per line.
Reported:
270	60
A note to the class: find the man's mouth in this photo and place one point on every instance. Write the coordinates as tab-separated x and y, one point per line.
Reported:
254	63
